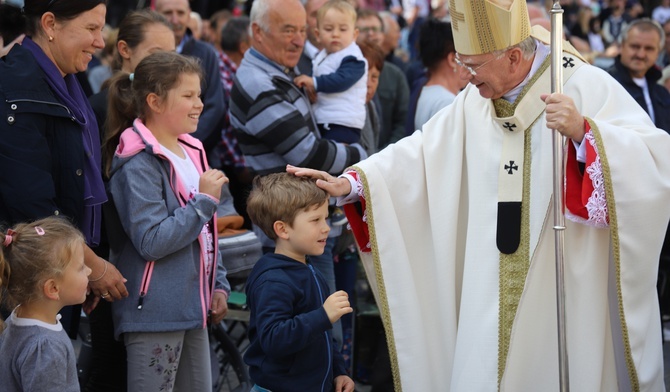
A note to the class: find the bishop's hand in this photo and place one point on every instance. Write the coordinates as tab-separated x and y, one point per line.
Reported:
562	115
335	186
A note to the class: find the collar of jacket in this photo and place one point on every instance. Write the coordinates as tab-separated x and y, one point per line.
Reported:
652	75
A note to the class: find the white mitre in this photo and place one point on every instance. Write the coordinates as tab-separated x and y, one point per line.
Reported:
484	26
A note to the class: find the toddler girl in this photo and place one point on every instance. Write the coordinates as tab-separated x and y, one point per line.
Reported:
41	270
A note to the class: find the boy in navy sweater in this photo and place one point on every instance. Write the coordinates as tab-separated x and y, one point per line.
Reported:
292	314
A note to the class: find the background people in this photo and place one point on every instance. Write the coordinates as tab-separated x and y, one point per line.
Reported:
234	41
393	90
436	50
635	68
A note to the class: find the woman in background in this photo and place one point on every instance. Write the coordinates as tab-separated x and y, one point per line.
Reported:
436	48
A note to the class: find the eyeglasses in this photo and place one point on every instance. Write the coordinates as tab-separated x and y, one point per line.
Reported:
473	71
368	30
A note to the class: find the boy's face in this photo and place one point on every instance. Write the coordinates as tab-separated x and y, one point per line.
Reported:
336	31
308	233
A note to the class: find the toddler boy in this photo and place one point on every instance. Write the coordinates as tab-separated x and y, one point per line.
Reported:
340	74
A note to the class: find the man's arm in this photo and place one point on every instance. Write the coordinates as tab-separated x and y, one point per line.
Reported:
274	129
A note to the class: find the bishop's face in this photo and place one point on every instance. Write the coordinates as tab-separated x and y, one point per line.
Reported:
484	72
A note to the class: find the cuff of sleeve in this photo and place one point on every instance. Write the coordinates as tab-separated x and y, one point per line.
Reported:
316	85
211	197
224	292
580	149
352	197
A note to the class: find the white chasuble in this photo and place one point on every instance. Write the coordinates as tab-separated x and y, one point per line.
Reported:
462	316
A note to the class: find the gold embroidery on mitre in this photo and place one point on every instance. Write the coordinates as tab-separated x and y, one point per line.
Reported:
456	16
484	26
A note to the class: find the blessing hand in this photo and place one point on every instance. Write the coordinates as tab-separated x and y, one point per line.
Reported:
335	186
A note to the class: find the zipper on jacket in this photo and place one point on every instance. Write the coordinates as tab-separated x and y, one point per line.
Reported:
330	355
45	103
144	286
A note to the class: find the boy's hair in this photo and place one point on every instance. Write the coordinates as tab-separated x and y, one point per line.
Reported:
279	197
157	73
35	252
337	5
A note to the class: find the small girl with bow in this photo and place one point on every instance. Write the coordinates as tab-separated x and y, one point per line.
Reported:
41	270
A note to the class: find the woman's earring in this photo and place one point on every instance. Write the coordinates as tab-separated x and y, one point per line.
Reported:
51	39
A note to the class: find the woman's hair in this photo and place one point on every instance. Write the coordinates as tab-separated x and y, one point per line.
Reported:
157	73
279	197
436	41
374	54
63	10
132	30
32	253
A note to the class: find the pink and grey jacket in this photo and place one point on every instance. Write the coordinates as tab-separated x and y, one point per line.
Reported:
160	250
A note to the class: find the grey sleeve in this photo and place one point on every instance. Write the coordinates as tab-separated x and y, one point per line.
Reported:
48	364
139	191
226	206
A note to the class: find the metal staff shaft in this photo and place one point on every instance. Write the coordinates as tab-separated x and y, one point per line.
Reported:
559	209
